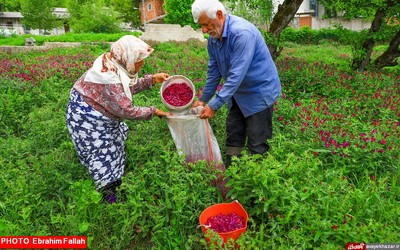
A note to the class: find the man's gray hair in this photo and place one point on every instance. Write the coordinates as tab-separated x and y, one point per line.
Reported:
210	7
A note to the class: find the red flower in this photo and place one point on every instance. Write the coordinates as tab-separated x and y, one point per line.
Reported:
177	94
223	223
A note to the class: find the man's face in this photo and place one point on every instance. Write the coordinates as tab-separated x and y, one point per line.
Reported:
213	27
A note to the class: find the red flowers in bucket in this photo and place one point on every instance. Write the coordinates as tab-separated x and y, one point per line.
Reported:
178	94
229	220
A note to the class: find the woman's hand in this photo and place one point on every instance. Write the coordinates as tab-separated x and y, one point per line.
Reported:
160	113
160	77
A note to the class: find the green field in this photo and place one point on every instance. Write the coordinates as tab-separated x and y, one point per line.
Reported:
331	176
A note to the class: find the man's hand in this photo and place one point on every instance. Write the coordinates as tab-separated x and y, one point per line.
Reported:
207	112
198	103
160	77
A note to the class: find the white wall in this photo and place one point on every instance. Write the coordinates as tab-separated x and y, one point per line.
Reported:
56	31
353	24
305	6
170	32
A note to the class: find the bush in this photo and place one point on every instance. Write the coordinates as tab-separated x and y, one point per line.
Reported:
306	35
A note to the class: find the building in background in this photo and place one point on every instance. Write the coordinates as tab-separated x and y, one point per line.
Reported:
10	23
62	14
151	11
307	10
311	13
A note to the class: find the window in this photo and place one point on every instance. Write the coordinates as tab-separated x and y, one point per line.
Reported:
149	7
9	24
314	6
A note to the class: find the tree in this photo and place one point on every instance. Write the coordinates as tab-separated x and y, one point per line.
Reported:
380	12
10	5
58	3
92	16
282	18
38	15
259	12
179	11
389	57
129	11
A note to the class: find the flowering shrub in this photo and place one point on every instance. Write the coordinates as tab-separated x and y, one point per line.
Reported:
351	115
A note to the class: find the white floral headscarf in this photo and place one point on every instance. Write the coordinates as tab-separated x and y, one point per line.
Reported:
117	66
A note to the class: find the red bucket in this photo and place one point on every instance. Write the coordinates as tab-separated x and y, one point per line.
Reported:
224	208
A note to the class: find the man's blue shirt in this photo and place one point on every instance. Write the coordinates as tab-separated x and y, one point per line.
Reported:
242	59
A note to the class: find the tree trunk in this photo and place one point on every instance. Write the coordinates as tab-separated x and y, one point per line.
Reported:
362	62
282	18
388	58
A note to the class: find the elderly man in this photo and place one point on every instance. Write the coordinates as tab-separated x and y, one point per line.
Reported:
238	54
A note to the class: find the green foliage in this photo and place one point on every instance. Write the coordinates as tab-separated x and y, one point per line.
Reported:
93	17
259	12
305	205
68	37
354	8
129	11
179	11
38	15
386	33
12	98
383	30
11	5
306	35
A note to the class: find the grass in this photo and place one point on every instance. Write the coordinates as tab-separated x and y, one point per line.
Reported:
19	40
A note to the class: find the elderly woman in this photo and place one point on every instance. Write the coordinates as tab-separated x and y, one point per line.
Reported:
99	102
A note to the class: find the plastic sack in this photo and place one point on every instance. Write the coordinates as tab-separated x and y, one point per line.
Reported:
194	137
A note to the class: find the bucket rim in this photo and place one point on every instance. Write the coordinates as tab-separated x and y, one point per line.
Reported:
167	83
